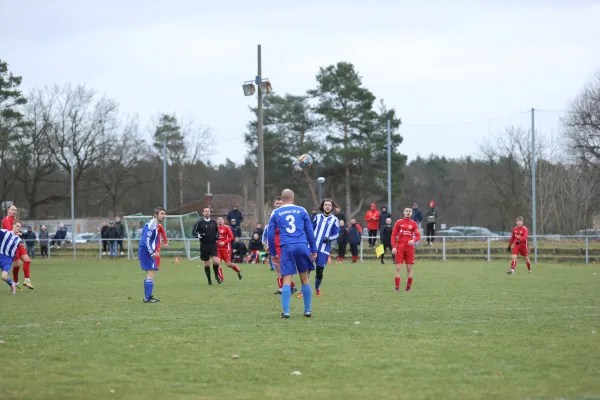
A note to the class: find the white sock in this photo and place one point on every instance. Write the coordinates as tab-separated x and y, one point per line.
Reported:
26	279
16	283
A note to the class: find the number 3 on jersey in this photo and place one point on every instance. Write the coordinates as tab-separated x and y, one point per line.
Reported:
292	222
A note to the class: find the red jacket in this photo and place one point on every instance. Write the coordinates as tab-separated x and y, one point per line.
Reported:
405	229
372	217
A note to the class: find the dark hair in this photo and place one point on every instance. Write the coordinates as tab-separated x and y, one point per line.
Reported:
156	210
205	207
322	206
18	222
277	198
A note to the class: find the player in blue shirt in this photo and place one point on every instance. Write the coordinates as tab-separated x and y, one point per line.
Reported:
9	242
327	230
298	249
147	252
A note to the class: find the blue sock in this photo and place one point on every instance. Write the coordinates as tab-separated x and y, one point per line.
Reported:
271	264
9	281
148	288
307	296
317	283
286	298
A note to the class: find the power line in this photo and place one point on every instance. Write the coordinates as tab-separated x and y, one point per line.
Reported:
469	122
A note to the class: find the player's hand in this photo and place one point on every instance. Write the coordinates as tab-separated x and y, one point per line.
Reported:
508	249
410	242
154	255
166	244
275	259
326	240
313	256
221	243
394	250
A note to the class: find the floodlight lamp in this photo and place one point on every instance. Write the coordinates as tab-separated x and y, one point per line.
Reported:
320	179
249	89
265	87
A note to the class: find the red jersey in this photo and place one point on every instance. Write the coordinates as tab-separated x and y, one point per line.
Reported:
519	234
163	234
7	223
226	236
405	229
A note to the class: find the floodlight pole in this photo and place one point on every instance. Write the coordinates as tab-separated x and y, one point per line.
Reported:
533	184
73	204
261	150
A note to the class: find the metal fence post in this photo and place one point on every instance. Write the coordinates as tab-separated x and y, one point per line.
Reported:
587	249
444	248
489	240
361	249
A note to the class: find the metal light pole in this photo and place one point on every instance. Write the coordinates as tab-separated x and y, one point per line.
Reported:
389	149
73	204
165	174
533	184
264	87
320	180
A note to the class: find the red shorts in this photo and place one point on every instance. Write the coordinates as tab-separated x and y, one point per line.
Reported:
20	252
224	254
521	249
405	254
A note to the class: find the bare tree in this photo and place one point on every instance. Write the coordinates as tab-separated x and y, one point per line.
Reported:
123	151
36	163
83	123
583	123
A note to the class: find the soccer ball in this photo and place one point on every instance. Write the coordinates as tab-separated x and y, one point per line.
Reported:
305	161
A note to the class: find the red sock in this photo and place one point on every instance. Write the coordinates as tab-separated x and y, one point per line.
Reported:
397	279
280	282
234	267
16	273
220	273
26	269
528	266
513	264
354	258
293	284
408	283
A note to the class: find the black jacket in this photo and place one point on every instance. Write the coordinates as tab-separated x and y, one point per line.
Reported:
29	238
382	217
239	247
431	216
236	230
343	238
354	236
256	245
112	233
385	234
207	231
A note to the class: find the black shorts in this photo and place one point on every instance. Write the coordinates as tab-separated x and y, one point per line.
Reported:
208	250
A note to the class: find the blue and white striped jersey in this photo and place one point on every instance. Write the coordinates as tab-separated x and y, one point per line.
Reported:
8	243
326	227
149	238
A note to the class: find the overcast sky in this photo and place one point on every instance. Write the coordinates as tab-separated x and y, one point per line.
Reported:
435	64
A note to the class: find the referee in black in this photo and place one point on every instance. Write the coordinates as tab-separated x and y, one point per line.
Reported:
207	231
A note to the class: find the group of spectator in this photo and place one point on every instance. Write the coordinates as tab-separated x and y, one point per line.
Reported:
43	238
112	234
431	216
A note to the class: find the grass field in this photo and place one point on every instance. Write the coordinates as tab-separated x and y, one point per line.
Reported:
466	331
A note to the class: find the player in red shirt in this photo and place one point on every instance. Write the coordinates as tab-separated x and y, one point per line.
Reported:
161	234
20	255
404	235
224	247
519	239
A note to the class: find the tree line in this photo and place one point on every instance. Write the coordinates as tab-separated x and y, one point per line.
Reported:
341	123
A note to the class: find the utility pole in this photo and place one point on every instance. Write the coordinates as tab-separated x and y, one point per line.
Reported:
165	174
389	149
533	184
261	150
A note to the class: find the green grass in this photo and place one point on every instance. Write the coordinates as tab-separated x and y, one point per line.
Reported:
467	331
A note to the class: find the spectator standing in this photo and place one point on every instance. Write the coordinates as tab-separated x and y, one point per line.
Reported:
383	216
30	238
121	233
235	228
44	239
313	215
60	235
354	238
258	229
342	241
372	217
113	235
430	220
340	215
417	216
104	237
235	214
385	235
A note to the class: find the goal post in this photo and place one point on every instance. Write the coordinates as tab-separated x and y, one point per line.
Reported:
177	227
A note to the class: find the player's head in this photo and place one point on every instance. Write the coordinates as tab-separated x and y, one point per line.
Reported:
12	211
277	202
287	196
17	227
327	206
158	213
206	212
520	222
407	212
220	221
388	221
342	223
